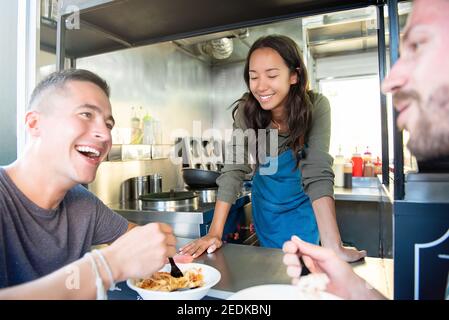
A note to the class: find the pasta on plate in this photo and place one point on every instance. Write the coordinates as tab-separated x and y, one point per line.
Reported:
163	281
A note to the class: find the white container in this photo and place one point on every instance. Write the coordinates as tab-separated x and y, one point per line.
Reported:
339	165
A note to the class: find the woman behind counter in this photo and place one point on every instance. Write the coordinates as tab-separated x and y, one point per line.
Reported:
298	198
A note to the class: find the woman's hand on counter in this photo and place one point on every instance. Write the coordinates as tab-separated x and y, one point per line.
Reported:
211	241
350	254
196	248
343	283
326	218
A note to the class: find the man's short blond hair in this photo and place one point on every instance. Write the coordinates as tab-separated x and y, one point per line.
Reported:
58	79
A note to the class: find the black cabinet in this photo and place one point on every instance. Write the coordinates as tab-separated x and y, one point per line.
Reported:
421	250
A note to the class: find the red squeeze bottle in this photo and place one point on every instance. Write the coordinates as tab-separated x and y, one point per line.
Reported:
357	165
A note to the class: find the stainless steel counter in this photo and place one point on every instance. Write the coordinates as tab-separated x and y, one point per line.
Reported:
245	266
358	194
363	189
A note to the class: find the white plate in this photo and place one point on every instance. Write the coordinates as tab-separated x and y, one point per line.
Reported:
277	292
211	278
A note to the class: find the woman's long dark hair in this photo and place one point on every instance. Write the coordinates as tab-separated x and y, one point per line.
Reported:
298	104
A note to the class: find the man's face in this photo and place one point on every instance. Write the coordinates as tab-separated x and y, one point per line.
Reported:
419	81
75	131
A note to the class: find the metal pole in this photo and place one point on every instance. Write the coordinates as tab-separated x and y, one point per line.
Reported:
60	43
28	39
397	134
381	53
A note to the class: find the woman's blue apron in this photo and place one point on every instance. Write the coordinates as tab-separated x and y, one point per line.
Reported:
280	206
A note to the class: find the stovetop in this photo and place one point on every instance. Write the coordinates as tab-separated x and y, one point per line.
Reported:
138	212
139	205
144	206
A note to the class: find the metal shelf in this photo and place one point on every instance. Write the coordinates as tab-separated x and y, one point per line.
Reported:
107	25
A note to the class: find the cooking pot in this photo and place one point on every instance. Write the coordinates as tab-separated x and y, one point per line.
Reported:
138	186
206	195
155	183
199	178
169	201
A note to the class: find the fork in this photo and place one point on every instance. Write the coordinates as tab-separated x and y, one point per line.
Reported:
175	272
304	270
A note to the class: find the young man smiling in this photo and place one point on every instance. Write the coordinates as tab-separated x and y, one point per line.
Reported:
47	219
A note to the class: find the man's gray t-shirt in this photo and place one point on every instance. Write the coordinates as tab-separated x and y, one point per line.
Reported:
35	242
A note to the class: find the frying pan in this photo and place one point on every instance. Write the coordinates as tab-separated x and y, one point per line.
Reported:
199	178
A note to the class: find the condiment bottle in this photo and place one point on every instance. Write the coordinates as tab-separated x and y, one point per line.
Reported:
367	156
368	169
148	130
357	162
339	164
378	166
347	170
136	130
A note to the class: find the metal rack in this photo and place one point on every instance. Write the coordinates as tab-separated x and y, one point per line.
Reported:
107	25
